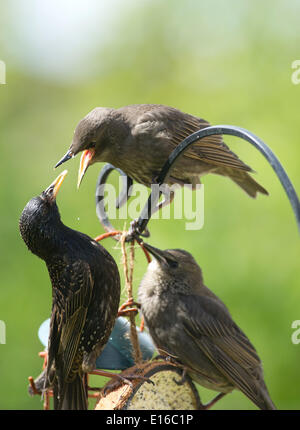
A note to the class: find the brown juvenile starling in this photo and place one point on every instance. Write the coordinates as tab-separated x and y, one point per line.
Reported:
85	296
138	139
190	324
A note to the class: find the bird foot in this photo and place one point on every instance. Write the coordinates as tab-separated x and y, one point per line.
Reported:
172	360
182	380
44	355
169	359
134	232
159	357
119	380
32	390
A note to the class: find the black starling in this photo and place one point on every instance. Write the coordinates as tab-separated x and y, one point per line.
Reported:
85	296
190	324
138	139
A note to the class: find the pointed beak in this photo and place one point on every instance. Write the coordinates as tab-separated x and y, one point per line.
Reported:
85	161
158	254
56	184
65	158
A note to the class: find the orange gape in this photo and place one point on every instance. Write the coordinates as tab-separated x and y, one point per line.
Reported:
85	160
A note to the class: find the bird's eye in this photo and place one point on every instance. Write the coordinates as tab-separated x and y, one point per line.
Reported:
173	264
92	145
49	190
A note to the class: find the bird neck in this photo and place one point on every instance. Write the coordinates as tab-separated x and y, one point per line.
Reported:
155	282
47	240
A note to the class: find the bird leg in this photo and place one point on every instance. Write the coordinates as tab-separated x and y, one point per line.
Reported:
44	355
36	386
213	401
166	357
32	389
182	380
172	360
120	379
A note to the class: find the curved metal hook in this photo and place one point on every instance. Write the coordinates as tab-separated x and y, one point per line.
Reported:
139	226
122	197
221	129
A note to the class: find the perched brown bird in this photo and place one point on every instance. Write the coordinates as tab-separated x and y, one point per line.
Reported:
189	323
138	139
85	296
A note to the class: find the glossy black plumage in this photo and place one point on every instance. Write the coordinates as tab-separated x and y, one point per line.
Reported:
85	296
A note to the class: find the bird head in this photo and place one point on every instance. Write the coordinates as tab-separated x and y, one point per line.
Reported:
174	264
90	137
40	217
48	196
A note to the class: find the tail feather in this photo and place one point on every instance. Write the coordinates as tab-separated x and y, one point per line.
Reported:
263	401
269	405
244	180
74	395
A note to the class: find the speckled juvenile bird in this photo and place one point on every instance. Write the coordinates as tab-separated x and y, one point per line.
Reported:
85	296
189	323
138	139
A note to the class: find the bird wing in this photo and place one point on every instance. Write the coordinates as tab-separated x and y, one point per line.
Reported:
70	307
166	122
210	325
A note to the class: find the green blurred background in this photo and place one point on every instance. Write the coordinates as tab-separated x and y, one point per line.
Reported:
229	62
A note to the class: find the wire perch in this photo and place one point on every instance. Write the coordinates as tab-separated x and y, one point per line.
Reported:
128	274
121	200
140	225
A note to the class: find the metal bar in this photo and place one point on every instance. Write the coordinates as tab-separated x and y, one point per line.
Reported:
216	130
122	198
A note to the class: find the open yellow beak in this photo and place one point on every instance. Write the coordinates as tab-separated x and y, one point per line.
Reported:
56	184
85	161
